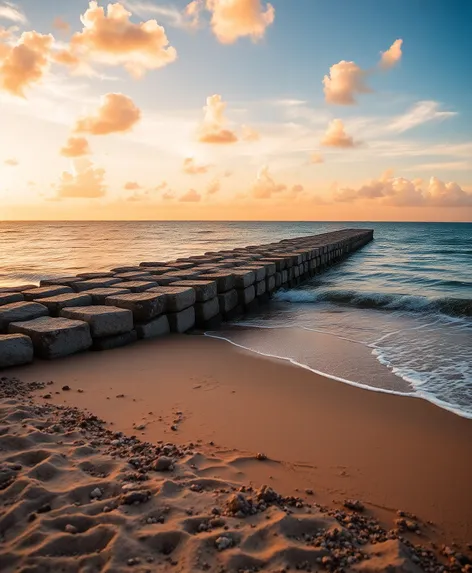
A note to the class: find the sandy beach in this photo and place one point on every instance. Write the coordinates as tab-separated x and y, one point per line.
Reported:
325	443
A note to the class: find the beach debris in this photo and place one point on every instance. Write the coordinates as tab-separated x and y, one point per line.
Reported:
223	542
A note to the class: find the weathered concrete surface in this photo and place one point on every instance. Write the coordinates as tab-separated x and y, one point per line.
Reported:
204	311
9	297
269	266
55	304
243	278
61	281
15	350
183	275
55	337
204	290
143	305
156	271
258	270
99	295
270	283
227	301
179	266
127	269
133	276
260	288
100	275
44	292
246	295
156	327
139	286
115	341
20	311
224	280
89	284
177	298
182	321
20	288
103	320
165	280
155	264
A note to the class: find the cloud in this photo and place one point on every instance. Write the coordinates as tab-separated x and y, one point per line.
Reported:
12	12
249	134
316	158
213	187
76	147
169	14
131	186
420	113
25	62
161	186
112	39
264	186
11	162
192	12
402	192
392	56
344	82
117	113
336	136
233	19
212	129
61	25
191	168
168	196
191	197
66	58
85	181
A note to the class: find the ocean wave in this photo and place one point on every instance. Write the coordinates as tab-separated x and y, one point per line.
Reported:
380	301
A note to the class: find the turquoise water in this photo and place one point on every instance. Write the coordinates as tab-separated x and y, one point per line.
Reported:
395	317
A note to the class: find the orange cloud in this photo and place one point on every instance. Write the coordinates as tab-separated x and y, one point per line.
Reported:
249	134
213	187
168	196
190	197
345	80
76	147
131	186
86	181
66	58
316	158
336	136
61	25
392	56
161	186
11	162
264	186
117	113
112	39
212	129
25	62
191	168
192	11
233	19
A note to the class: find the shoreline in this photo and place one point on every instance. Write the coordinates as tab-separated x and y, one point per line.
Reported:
339	440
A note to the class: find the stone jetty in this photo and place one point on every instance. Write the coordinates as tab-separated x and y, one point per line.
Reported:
104	310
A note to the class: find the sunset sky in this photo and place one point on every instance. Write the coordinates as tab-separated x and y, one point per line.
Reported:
236	109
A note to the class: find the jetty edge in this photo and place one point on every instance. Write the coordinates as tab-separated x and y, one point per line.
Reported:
105	310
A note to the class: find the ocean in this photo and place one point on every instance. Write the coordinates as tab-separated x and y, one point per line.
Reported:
394	317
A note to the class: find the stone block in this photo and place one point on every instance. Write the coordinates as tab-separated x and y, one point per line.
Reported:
182	321
8	297
204	311
54	337
89	284
260	288
133	276
204	290
44	292
99	295
103	320
181	266
61	281
97	275
224	280
156	327
270	284
270	267
278	279
212	323
17	288
128	269
165	280
182	275
154	264
177	298
157	271
19	312
246	295
228	300
55	304
243	278
258	270
15	350
138	286
115	341
143	305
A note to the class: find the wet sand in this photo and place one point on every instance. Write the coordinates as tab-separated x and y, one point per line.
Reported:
393	453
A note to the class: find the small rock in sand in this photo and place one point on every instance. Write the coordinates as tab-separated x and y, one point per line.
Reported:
237	503
45	508
96	493
141	427
70	529
261	457
135	497
163	464
66	388
354	504
223	543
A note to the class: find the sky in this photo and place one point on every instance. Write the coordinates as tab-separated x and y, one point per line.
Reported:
236	110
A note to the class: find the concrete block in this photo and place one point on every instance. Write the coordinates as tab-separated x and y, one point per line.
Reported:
224	280
270	284
54	337
269	266
103	320
143	305
20	311
228	300
260	288
243	278
190	274
278	279
128	269
258	270
211	324
156	327
204	290
115	341
133	276
177	298
8	297
99	275
181	266
182	321
204	311
55	304
44	292
99	295
164	280
154	264
15	350
61	281
89	284
17	288
157	271
247	295
138	286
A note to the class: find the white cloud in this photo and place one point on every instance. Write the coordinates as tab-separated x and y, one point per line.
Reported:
421	112
12	12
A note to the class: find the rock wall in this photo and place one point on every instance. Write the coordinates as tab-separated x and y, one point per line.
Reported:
106	310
